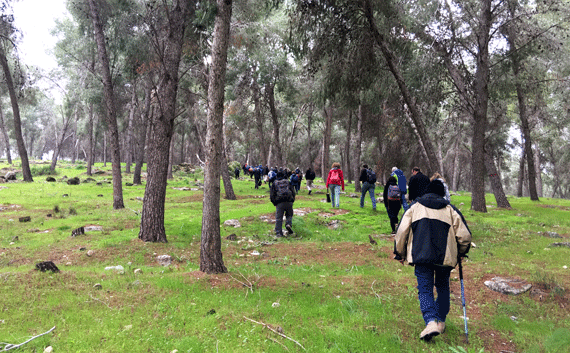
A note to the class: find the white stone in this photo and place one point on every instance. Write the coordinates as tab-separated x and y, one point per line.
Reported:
90	253
275	305
48	349
164	260
255	253
138	271
232	223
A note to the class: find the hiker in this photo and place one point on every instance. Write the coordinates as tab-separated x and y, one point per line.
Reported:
401	179
335	181
282	195
271	176
432	236
257	172
310	176
392	201
438	176
418	184
368	179
236	172
296	180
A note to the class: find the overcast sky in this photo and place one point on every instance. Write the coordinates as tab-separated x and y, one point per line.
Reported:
36	19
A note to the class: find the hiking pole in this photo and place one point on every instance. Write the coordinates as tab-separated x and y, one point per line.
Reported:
463	300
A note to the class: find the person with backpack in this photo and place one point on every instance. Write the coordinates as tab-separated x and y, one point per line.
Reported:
392	201
335	181
401	179
272	176
438	176
295	182
310	176
432	236
368	179
282	195
257	173
236	172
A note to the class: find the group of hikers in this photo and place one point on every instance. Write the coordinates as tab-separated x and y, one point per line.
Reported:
432	234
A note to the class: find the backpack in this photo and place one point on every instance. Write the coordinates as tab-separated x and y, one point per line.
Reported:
271	176
335	177
394	193
371	176
294	179
283	191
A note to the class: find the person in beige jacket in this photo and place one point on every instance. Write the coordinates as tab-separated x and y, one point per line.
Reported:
431	236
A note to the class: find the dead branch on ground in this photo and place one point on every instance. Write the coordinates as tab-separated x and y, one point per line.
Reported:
275	331
9	347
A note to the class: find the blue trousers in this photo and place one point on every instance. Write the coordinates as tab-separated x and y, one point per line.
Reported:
429	276
367	187
335	194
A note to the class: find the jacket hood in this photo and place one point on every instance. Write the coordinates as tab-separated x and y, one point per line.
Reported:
433	201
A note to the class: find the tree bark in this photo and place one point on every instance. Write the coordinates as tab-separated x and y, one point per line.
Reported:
26	172
228	187
171	39
496	184
211	260
111	116
538	175
270	96
358	149
256	95
325	164
347	147
455	180
5	135
520	180
145	118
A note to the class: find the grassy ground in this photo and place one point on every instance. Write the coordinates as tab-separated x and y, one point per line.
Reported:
327	290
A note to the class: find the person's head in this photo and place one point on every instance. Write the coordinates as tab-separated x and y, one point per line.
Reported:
435	176
280	174
336	165
436	187
415	170
392	181
365	166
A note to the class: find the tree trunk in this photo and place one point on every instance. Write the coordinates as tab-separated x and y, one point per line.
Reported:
416	116
110	107
169	175
162	119
145	118
325	165
358	149
5	134
228	187
270	96
211	260
129	132
26	172
91	148
496	184
520	181
256	95
455	180
538	174
347	147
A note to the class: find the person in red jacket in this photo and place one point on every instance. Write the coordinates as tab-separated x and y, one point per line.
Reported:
335	181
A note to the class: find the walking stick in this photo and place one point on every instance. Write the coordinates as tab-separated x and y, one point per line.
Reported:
463	301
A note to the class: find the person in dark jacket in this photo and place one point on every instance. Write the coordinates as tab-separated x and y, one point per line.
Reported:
282	195
432	236
236	172
418	184
310	176
257	174
367	187
393	206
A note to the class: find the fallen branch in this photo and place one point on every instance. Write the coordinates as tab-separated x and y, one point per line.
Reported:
248	284
9	346
275	331
376	294
99	300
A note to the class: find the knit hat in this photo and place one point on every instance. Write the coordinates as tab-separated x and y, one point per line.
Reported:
436	187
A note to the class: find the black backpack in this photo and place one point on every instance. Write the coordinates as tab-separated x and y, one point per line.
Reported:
371	176
283	191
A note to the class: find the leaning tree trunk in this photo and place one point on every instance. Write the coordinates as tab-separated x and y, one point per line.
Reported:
26	172
326	142
110	107
5	134
496	184
162	123
358	149
211	260
347	147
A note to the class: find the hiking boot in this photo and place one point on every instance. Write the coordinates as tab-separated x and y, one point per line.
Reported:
289	229
430	331
310	192
279	235
441	326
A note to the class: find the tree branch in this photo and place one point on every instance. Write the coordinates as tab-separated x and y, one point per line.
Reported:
9	346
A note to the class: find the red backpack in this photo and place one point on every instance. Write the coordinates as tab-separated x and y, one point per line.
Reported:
335	177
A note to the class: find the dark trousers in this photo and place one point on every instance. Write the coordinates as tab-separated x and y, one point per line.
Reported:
283	208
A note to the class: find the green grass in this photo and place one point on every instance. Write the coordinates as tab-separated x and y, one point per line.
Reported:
335	291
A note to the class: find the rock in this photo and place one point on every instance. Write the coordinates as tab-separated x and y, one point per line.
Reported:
118	269
275	305
128	184
49	349
78	231
232	237
90	253
232	223
462	204
97	286
128	327
506	285
255	253
553	235
47	266
50	179
137	271
100	195
25	219
164	260
334	224
10	176
89	180
557	245
73	181
93	228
